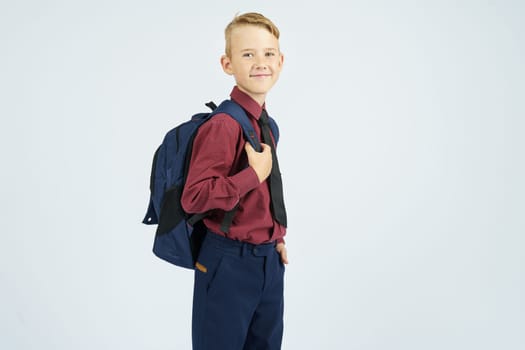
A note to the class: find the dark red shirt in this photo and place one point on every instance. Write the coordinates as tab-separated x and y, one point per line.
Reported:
219	179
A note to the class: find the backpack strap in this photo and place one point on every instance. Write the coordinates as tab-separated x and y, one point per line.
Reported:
236	112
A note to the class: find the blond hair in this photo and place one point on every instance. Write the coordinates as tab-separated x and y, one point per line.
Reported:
250	18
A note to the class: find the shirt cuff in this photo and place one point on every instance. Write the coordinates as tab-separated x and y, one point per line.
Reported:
245	181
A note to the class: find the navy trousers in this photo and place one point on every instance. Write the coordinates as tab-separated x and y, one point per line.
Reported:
238	296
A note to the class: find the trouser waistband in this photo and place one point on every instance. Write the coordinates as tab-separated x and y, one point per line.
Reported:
240	248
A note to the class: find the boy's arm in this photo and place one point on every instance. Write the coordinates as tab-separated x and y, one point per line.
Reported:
209	184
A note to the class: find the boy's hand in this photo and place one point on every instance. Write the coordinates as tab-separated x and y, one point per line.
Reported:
261	162
281	249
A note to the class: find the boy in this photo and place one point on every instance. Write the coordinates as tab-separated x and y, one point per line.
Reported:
238	292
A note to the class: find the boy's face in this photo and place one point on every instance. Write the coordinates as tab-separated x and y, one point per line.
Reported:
255	60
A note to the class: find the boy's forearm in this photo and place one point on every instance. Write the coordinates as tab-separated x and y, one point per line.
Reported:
215	192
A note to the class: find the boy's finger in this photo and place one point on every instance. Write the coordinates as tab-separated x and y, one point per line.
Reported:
284	256
283	252
248	147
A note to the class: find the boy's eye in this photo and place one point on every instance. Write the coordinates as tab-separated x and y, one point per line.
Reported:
270	53
247	54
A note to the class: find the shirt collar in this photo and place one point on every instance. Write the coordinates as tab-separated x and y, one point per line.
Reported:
247	103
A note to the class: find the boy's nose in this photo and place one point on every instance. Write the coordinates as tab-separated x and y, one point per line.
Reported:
260	66
259	62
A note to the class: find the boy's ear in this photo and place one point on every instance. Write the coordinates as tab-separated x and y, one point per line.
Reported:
226	65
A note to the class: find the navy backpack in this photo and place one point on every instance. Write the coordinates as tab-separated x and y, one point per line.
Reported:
179	234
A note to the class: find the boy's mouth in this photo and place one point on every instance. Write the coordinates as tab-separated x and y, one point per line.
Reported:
260	75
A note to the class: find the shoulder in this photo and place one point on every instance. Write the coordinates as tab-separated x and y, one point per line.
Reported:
221	125
222	121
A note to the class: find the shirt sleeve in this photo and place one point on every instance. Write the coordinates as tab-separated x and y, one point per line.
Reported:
210	183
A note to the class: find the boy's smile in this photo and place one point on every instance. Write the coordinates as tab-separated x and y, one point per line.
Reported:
255	60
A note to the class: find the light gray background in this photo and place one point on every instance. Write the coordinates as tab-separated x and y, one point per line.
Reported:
402	153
